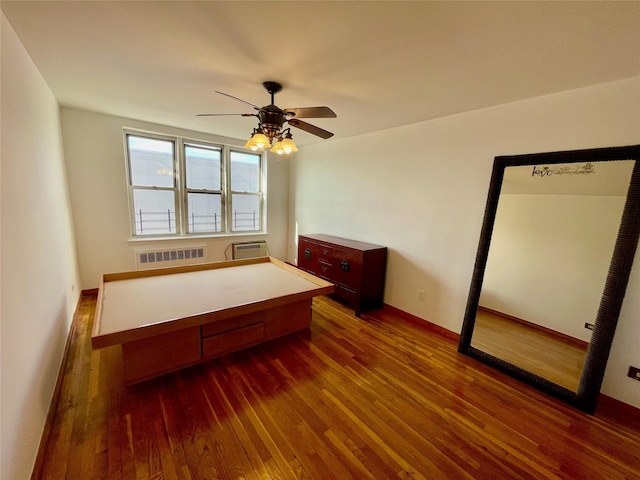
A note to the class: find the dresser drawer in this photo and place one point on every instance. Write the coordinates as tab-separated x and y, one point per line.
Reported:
325	252
324	269
233	340
346	293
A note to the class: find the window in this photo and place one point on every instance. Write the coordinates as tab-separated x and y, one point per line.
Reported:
180	187
245	191
203	166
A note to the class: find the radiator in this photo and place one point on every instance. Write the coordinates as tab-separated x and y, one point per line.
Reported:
250	249
170	257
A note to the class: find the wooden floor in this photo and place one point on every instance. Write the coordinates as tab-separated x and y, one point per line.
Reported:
534	350
374	397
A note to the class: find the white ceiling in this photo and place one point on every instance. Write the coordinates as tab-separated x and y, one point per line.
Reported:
378	65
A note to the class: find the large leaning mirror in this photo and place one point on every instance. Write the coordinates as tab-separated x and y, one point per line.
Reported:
557	244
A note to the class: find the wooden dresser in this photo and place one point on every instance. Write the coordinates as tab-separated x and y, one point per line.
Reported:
356	268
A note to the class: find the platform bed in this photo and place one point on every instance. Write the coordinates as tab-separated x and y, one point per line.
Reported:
171	318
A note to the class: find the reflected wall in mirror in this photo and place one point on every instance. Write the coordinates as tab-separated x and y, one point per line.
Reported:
560	229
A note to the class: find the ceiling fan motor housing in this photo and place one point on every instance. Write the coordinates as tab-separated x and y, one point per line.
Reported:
271	119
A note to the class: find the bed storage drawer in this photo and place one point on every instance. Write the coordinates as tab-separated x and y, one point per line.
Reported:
233	340
233	323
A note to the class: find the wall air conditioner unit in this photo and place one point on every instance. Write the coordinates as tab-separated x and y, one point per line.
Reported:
249	249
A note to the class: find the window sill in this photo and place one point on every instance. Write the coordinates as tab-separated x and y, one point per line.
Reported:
135	240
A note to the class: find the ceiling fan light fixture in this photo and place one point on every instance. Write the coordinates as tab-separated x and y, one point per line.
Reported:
277	147
285	143
288	145
258	141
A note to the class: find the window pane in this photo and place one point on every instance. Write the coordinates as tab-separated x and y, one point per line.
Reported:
154	211
221	191
151	162
203	168
245	172
246	212
205	212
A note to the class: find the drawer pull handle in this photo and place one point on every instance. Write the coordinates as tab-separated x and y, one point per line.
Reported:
325	251
344	266
307	253
324	268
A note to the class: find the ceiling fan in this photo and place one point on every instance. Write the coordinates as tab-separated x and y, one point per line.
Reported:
271	120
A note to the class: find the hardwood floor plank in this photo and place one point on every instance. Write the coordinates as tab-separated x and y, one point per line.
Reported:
284	416
277	463
339	433
195	430
374	455
370	397
253	446
172	441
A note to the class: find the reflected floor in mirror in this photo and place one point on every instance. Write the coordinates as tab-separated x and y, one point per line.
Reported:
546	354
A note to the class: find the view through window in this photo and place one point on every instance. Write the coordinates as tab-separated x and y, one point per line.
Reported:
181	187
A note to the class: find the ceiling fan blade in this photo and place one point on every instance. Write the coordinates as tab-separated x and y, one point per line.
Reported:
310	112
238	99
307	127
225	114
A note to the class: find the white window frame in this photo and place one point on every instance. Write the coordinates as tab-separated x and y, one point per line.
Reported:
259	194
184	143
181	191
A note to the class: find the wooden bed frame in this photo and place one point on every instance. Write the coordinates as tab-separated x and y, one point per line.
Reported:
171	318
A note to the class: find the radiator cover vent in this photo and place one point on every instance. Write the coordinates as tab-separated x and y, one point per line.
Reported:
170	257
250	249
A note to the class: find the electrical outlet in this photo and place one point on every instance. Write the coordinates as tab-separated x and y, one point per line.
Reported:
634	372
588	326
421	295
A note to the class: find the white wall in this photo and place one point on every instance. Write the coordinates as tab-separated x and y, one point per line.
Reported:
421	191
39	279
95	157
549	258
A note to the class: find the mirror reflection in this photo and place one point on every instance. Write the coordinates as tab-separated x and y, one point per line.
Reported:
553	238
